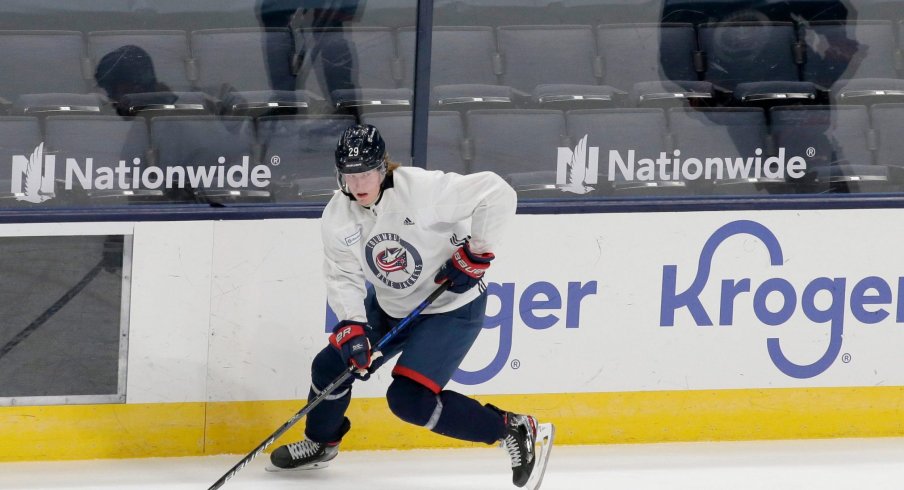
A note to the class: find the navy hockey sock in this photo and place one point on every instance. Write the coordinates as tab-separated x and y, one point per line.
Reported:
448	413
326	422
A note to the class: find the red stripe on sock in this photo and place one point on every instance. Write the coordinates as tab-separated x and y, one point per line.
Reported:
418	377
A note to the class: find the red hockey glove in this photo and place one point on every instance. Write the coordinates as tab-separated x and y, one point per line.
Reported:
350	339
464	269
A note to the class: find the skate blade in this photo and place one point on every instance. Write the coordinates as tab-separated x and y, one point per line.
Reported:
315	466
545	435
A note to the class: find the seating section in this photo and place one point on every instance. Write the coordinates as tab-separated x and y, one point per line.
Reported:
548	107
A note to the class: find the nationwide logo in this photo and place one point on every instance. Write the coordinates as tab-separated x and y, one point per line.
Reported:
33	176
577	169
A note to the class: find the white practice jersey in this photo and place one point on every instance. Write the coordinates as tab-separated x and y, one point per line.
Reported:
399	243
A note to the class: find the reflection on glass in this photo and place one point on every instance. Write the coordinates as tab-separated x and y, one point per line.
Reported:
718	84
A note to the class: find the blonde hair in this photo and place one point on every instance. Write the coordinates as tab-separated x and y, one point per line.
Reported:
390	164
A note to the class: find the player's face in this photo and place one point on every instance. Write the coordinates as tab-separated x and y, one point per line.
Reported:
365	186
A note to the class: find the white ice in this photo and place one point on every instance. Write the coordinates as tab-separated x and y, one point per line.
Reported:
843	464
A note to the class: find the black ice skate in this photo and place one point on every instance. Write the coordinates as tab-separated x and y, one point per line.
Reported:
303	455
528	444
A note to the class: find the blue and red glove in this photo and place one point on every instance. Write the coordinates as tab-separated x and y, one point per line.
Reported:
350	339
464	270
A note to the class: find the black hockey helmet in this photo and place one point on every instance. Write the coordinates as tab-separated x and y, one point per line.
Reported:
360	148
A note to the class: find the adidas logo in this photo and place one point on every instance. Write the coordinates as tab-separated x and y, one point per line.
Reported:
407	221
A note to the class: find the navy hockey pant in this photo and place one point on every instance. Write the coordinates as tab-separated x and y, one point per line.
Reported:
430	349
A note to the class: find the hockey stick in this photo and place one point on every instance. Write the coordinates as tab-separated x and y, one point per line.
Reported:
328	389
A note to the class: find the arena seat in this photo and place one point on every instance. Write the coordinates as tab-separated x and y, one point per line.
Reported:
557	65
444	141
888	125
464	67
159	86
305	148
657	63
643	131
201	141
757	61
521	145
355	68
45	72
856	60
249	71
105	140
839	139
727	133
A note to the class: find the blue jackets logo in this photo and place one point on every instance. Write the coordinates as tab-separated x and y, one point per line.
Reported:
395	262
866	298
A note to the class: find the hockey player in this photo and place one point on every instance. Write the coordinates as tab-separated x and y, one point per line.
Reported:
397	227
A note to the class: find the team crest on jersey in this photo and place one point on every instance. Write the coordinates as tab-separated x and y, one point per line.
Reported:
395	262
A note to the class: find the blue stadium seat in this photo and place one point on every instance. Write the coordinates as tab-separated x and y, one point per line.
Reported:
249	70
521	145
657	63
304	147
638	132
838	137
557	65
105	140
444	141
736	137
159	83
888	124
354	69
856	60
757	61
46	71
464	67
206	142
168	50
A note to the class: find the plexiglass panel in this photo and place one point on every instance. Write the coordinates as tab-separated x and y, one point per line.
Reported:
611	99
114	103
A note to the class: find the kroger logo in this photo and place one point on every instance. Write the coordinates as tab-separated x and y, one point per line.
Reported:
865	301
33	176
540	305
